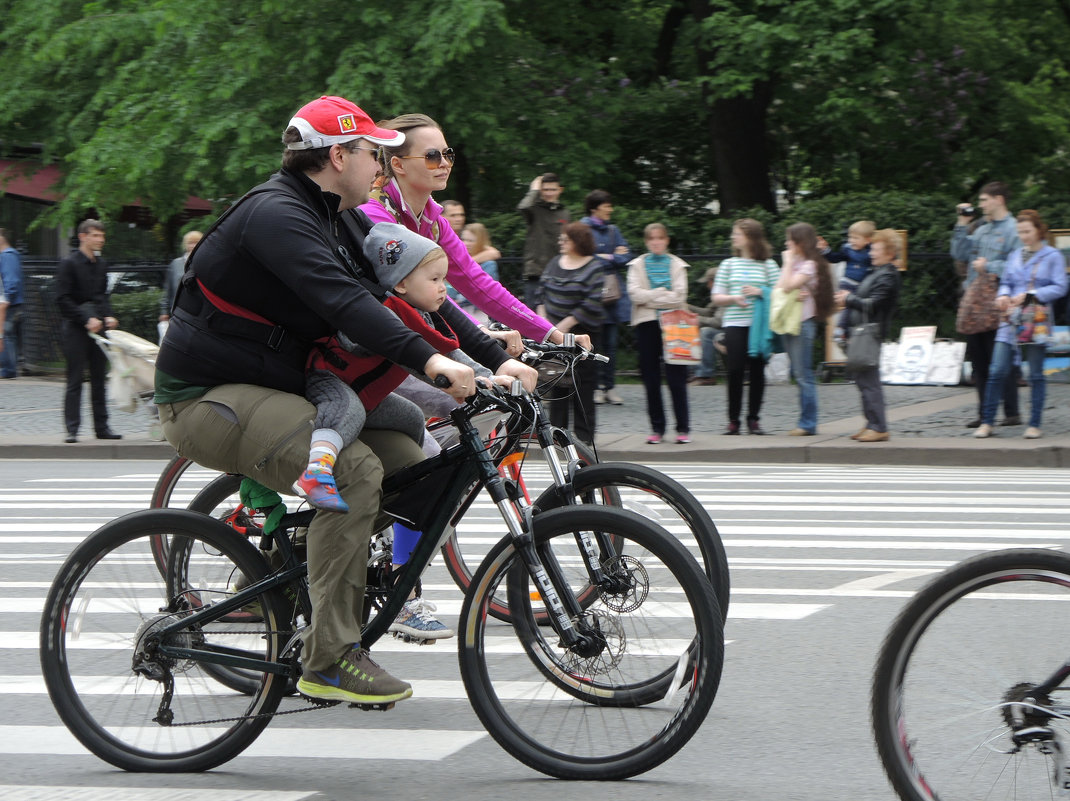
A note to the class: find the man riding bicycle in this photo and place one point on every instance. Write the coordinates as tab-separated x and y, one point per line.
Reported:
278	271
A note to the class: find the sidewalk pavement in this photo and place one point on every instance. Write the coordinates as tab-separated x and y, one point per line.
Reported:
927	426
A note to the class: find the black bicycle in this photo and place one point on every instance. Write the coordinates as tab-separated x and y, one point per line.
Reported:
545	467
141	663
971	697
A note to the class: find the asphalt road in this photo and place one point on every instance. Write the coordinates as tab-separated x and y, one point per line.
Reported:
822	558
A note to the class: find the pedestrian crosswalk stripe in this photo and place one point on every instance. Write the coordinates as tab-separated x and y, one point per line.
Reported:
279	742
51	792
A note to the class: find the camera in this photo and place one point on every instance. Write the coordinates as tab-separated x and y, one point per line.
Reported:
968	211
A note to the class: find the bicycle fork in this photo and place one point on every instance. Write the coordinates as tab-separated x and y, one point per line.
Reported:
541	564
592	545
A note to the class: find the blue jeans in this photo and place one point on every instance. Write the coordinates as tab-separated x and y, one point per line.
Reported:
1000	368
708	368
9	355
800	349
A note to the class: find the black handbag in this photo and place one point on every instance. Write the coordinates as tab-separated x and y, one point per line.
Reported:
863	347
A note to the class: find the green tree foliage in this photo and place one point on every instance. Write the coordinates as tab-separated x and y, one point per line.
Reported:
668	104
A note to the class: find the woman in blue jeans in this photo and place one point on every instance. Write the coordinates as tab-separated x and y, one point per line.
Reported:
1038	269
806	270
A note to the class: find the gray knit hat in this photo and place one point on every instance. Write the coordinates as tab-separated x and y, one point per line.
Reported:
394	251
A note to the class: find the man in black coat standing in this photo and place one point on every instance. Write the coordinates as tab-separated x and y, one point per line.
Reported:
82	297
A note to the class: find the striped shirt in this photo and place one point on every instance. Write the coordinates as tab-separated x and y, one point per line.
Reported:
574	292
737	272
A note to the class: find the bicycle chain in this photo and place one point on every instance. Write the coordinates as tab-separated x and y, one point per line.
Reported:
311	707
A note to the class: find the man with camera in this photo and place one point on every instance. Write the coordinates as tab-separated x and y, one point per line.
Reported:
985	252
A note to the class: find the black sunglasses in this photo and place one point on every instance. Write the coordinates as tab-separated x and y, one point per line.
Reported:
434	157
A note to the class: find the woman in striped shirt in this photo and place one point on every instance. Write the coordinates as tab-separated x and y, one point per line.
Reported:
739	280
570	297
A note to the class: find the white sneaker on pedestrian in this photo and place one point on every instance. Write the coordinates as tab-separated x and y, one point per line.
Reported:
983	431
614	398
600	396
1032	433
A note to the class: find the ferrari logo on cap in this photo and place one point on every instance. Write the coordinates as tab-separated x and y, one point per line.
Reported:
347	123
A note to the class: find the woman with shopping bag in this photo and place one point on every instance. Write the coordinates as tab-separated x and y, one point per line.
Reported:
657	283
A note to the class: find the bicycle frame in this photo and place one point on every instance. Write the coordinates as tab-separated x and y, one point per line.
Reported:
467	462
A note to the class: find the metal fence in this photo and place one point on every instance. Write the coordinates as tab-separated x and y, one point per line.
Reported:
930	292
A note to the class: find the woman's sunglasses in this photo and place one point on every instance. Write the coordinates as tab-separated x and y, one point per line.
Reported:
433	158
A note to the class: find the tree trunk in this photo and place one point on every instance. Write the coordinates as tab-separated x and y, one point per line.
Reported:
737	128
740	146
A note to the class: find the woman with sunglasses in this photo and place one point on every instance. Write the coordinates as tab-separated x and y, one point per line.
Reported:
412	172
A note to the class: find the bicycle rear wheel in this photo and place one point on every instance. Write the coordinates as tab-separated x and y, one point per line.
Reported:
635	696
179	482
956	715
665	502
100	631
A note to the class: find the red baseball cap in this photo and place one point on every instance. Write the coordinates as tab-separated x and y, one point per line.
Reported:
334	121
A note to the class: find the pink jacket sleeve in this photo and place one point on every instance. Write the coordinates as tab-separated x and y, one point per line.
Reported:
468	278
488	295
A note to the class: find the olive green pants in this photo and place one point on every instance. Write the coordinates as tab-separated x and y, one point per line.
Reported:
265	434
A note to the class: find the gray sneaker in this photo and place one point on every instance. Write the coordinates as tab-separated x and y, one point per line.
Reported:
355	678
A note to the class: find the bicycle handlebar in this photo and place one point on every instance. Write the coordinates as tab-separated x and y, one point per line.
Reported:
566	350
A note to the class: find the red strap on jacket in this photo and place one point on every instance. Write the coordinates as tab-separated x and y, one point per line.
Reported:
373	377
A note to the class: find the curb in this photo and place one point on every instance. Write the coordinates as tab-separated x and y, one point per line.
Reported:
772	449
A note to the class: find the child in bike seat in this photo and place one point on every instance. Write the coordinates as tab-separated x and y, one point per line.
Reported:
353	388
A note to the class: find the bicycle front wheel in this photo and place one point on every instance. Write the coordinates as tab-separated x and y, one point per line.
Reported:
957	713
642	682
101	635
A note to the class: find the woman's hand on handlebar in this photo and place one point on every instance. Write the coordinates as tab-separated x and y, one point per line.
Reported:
462	379
583	340
513	342
513	369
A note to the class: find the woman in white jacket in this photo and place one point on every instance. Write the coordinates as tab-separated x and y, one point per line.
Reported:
657	281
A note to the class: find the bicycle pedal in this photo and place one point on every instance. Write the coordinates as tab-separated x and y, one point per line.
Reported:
320	702
408	638
373	707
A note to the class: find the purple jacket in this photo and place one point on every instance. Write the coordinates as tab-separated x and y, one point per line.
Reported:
464	274
1049	282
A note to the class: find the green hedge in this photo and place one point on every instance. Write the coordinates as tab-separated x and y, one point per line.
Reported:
138	312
